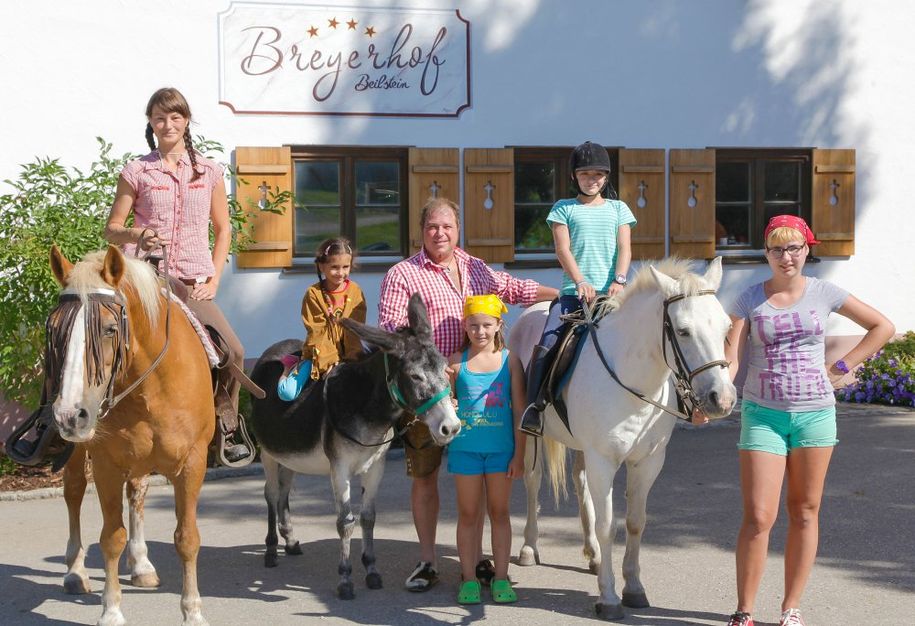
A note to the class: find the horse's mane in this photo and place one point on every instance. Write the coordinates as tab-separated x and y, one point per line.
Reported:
675	267
86	276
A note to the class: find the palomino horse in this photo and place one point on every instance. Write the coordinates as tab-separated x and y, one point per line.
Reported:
342	426
107	334
667	315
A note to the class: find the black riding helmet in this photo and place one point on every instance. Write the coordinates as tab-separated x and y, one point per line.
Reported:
589	156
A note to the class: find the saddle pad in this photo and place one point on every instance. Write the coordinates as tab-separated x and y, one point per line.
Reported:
202	334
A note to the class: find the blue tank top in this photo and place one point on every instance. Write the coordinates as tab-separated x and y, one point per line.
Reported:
485	409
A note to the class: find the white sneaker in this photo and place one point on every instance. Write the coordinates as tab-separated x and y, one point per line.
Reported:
791	617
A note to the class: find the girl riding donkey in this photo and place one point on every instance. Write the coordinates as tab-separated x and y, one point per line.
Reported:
175	194
332	298
489	451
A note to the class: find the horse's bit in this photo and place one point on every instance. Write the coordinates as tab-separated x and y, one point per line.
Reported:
682	373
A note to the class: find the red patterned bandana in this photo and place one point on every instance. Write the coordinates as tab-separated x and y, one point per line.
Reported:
791	221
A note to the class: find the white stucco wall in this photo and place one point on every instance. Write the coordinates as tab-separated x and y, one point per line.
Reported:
662	74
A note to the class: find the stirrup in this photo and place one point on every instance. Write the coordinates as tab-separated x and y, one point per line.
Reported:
48	444
529	426
242	432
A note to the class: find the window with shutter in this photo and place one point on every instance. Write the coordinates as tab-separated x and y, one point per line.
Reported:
264	172
642	188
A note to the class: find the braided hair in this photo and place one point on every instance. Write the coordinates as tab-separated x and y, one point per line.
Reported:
328	248
171	100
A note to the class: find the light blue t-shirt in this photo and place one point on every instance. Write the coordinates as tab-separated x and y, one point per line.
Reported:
786	368
592	234
485	410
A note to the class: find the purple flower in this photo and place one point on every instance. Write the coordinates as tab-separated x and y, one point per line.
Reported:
859	396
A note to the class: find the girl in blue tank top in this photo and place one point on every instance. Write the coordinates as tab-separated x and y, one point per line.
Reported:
488	453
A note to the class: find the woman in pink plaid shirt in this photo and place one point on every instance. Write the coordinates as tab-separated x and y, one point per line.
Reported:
175	194
444	275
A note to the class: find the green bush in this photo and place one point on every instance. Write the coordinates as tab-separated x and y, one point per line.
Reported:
51	203
888	377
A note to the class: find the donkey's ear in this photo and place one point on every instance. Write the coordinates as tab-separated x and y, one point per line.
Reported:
60	266
667	284
114	267
419	319
713	273
388	342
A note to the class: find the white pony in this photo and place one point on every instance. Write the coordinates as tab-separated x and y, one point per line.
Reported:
610	425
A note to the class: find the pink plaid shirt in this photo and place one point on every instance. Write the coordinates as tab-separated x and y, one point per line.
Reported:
176	208
443	302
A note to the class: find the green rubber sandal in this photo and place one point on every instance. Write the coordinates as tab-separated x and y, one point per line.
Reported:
469	593
502	591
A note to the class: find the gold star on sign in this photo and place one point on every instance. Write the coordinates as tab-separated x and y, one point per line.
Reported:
313	32
352	24
370	31
332	22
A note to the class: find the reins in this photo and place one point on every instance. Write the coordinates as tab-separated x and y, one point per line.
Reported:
399	401
682	374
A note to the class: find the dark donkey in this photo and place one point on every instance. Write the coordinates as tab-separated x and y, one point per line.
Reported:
342	426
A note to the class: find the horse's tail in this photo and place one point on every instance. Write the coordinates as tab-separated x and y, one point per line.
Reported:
554	455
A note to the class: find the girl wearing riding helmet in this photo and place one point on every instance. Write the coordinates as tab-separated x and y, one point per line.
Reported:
788	417
591	234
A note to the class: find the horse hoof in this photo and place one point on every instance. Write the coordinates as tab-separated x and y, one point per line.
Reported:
270	559
294	549
76	585
345	591
148	580
594	567
373	580
528	557
609	611
636	600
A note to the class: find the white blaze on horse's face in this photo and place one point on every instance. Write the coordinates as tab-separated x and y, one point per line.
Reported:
78	402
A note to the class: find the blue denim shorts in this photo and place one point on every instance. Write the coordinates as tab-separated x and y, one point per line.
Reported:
778	432
478	463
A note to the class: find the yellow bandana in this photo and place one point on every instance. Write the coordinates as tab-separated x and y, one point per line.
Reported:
488	304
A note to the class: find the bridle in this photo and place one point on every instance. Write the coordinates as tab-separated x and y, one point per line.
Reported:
60	322
400	402
683	375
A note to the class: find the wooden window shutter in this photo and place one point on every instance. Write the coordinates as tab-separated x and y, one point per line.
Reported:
642	187
265	170
433	172
692	203
833	212
489	203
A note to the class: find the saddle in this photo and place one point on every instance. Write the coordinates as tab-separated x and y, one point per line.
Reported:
564	357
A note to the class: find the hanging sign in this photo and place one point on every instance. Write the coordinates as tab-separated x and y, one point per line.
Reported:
338	60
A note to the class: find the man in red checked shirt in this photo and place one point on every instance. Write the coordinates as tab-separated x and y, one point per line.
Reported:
444	275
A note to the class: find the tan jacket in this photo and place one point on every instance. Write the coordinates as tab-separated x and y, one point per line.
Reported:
326	341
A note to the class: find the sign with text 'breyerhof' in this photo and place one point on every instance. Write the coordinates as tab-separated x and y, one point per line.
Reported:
337	60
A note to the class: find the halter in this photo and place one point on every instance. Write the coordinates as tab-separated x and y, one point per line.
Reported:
400	402
682	373
115	303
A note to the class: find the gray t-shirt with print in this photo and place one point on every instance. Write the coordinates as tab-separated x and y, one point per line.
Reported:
786	366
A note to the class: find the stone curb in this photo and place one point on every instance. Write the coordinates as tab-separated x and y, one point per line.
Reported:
214	473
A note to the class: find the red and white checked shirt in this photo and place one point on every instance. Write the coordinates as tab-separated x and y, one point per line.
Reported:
176	208
445	305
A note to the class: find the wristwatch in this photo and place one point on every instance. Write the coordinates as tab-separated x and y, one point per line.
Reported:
620	279
841	366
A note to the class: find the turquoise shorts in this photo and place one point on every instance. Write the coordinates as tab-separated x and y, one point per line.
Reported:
778	432
478	463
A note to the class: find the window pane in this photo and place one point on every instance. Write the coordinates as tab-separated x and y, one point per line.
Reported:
732	227
782	208
313	225
317	182
378	182
732	182
378	229
782	181
532	233
534	182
